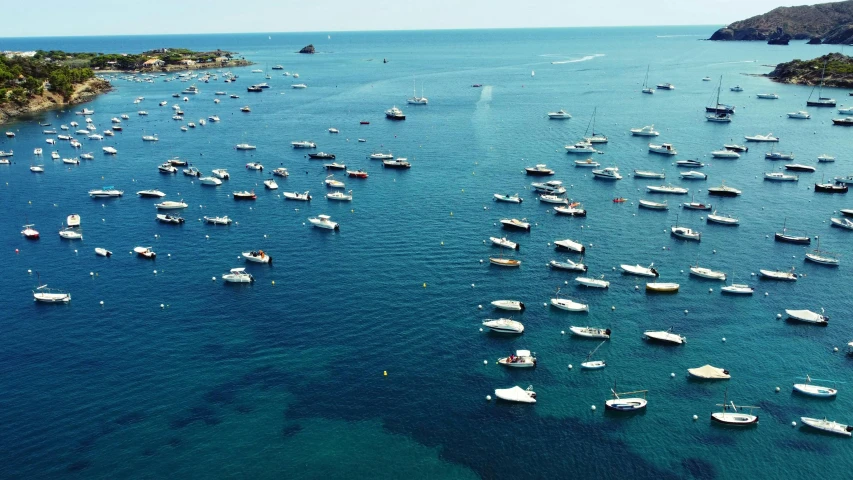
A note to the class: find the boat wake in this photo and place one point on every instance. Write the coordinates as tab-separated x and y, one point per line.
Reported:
729	63
676	36
576	60
486	94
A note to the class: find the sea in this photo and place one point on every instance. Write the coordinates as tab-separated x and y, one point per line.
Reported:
360	353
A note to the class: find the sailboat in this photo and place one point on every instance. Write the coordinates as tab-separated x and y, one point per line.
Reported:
821	100
734	417
784	237
720	108
415	99
646	87
719	116
621	404
594	364
823	257
595	137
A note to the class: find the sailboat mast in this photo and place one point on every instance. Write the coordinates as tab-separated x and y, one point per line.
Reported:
822	74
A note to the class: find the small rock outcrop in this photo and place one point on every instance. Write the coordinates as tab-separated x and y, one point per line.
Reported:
779	38
307	49
814	41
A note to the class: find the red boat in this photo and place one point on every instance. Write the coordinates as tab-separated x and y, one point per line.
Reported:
30	232
244	195
364	122
357	173
620	200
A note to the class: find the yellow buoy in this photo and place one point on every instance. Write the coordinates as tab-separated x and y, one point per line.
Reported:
451	214
385	373
442	244
273	282
424	284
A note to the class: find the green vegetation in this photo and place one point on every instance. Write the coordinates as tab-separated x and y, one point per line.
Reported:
24	77
839	71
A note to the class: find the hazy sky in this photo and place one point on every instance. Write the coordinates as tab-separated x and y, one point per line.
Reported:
129	17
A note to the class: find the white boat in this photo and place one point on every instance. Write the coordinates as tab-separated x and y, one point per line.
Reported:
573	210
296	196
71	161
653	205
110	150
149	138
647	131
512	305
50	295
340	196
607	173
731	416
37	168
210	181
685	233
504	325
323	221
539	170
504	262
707	273
761	138
665	336
672	189
553	199
167	168
722	219
299	85
515	223
662	287
778	275
664	149
71	234
812	390
689	163
332	183
381	156
151	194
568	265
800	115
521	359
737	289
842	223
164	218
626	404
145	252
828	426
245	146
693	175
708	372
588	163
590	364
218	220
105	192
590	332
780	177
580	147
270	184
54	155
254	166
736	88
29	232
257	256
395	113
646	88
569	244
640	270
593	282
192	172
516	394
73	220
824	158
303	144
507	198
767	96
724	153
559	115
819	256
170	205
103	252
808	316
648	174
415	99
221	173
778	156
569	305
504	242
238	275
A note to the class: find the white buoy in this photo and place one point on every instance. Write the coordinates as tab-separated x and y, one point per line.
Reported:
793	424
686	312
592	408
102	302
213	278
91	274
29	271
480	307
672	375
481	329
488	398
570	366
565	282
544	304
835	349
481	260
766	294
724	339
155	272
695	417
778	389
778	316
485	362
472	285
636	287
710	290
162	306
562	332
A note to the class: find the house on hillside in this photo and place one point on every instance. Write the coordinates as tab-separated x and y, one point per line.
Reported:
153	63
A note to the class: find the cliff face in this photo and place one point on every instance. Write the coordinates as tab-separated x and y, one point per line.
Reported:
839	71
83	92
832	22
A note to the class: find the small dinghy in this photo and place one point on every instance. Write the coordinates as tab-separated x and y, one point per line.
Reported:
163	218
812	390
508	198
808	316
504	325
512	305
662	287
504	242
50	295
665	336
590	332
103	252
257	256
70	234
653	205
218	220
521	359
568	265
589	364
270	184
708	372
516	394
504	262
640	270
303	197
593	282
828	426
145	252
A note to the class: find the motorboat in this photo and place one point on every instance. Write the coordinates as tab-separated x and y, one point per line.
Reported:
539	170
362	174
317	155
580	147
105	192
847	212
238	275
103	252
324	221
381	156
521	359
504	242
270	184
626	404
553	199
332	183
254	166
780	177
568	265
280	172
672	189
693	175
73	220
71	161
164	218
559	115
736	88
665	86
178	162
29	232
593	282
85	111
844	122
299	86
218	220
830	188
647	131
653	205
340	196
572	210
396	163
504	262
731	416
516	394
802	114
170	205
725	153
824	158
665	336
798	167
812	390
167	168
722	219
590	332
783	236
570	245
685	233
192	172
664	149
151	194
514	223
708	372
145	252
569	305
504	325
707	273
244	195
842	223
553	187
662	287
110	150
724	191
37	168
210	181
640	270
245	146
257	256
761	138
828	426
44	294
395	113
778	156
767	96
808	316
588	163
7	154
648	174
305	197
689	163
778	275
512	305
306	144
607	173
71	234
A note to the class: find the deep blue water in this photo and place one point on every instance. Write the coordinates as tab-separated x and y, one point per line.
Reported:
286	378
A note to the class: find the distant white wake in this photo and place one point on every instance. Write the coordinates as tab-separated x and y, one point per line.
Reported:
576	60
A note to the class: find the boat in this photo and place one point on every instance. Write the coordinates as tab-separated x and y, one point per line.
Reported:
580	147
842	223
340	196
44	294
694	205
664	149
192	172
164	218
607	173
395	113
396	163
569	245
210	181
516	394
71	161
270	184
103	252
568	265
70	234
590	332
280	172
589	364
647	131
507	198
553	199
812	390
238	275
593	282
640	270
257	256
324	221
145	252
665	86
307	144
245	146
521	359
246	109
569	305
722	219
778	274
626	404
305	197
822	257
332	183
761	138
504	262
684	232
830	188
662	287
85	111
648	174
110	150
828	426
693	175
572	210
167	168
780	177
724	191
105	192
653	205
732	417
191	90
671	189
151	194
315	155
708	372
254	166
298	85
719	115
771	155
798	167
504	325
808	316
844	122
539	170
514	223
824	158
218	220
821	100
847	212
552	187
37	168
725	153
244	195
736	88
7	154
512	305
587	163
381	156
559	115
665	336
767	96
170	205
593	137
646	87
689	163
707	273
802	115
784	237
362	174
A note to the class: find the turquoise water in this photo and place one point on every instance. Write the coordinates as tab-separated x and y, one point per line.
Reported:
287	378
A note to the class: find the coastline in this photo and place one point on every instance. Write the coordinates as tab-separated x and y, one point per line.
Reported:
83	92
181	68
